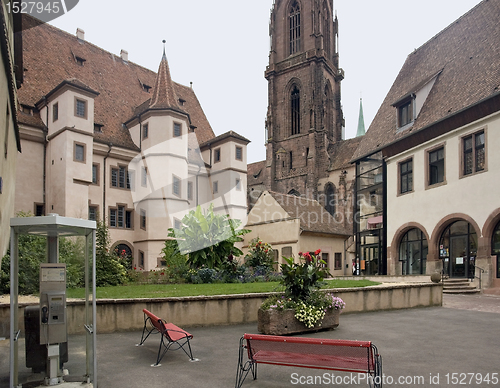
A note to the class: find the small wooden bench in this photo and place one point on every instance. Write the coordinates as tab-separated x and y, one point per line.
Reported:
171	336
316	353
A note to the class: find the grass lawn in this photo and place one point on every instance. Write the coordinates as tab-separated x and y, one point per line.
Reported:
175	290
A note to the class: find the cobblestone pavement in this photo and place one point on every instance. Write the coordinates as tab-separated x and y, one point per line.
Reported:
476	302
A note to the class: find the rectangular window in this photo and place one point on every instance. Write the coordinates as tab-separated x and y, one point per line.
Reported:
114	177
474	159
406	176
112	218
145	131
291	161
55	112
81	108
93	213
39	209
141	259
144	177
326	258
120	217
176	186
238	184
338	261
286	252
177	130
143	219
95	174
239	153
215	187
190	191
436	166
217	155
121	177
405	114
177	224
79	155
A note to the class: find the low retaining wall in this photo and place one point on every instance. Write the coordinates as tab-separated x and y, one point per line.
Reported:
126	314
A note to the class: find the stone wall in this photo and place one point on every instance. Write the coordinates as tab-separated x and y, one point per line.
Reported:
126	314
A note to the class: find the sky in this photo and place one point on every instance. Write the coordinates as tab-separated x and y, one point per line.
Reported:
222	47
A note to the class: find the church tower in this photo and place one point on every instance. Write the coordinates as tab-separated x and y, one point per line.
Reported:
304	113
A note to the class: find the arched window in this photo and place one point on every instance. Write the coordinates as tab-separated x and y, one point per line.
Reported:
294	20
125	253
295	110
458	249
413	252
330	200
495	246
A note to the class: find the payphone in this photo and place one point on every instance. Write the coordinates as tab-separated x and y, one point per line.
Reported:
53	326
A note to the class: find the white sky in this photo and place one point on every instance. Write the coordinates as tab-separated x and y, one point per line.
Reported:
222	46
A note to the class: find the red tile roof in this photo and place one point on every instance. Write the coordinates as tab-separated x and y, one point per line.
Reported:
312	215
465	56
50	58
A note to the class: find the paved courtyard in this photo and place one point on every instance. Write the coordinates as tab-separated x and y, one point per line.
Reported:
449	346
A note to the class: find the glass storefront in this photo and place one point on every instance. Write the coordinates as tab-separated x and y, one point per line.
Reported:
458	250
369	216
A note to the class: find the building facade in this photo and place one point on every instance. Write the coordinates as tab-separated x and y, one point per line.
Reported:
427	170
107	139
10	80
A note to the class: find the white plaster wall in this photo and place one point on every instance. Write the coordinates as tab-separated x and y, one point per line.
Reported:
475	195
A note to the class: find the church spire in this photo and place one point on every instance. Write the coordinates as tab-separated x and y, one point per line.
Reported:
361	120
164	96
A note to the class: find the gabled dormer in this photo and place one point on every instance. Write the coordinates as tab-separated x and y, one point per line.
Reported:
409	106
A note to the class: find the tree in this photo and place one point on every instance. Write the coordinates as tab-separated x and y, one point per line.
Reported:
208	238
109	270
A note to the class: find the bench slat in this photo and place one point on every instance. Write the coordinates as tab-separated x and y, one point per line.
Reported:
306	340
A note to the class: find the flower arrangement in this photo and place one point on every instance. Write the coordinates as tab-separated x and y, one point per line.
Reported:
301	282
260	254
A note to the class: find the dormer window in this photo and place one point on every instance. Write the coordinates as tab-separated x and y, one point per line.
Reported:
146	87
405	113
181	102
98	128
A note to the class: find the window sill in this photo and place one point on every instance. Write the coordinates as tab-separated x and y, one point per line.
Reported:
443	183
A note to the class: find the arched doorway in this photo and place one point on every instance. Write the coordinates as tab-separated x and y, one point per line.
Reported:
413	250
495	247
458	250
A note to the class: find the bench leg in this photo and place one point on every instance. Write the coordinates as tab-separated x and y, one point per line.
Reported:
244	368
144	330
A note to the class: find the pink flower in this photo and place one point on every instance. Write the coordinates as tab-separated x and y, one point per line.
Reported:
308	257
317	252
300	254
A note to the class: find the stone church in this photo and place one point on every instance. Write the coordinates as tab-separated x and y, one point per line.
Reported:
306	154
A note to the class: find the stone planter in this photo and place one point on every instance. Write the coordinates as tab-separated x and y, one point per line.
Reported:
283	322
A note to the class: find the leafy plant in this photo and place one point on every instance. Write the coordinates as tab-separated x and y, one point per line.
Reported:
301	282
109	270
300	279
260	254
208	238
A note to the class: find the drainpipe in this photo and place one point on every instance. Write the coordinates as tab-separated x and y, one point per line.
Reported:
45	144
104	184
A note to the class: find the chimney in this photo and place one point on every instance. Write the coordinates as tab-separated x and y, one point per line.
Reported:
80	34
124	55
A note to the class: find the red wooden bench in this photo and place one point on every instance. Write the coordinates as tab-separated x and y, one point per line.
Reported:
316	353
171	336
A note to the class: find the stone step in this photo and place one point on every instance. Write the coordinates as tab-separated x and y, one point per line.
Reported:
461	291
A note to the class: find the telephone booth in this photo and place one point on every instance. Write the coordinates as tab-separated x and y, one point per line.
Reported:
45	332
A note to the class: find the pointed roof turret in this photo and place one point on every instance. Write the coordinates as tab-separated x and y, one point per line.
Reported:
164	96
361	120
